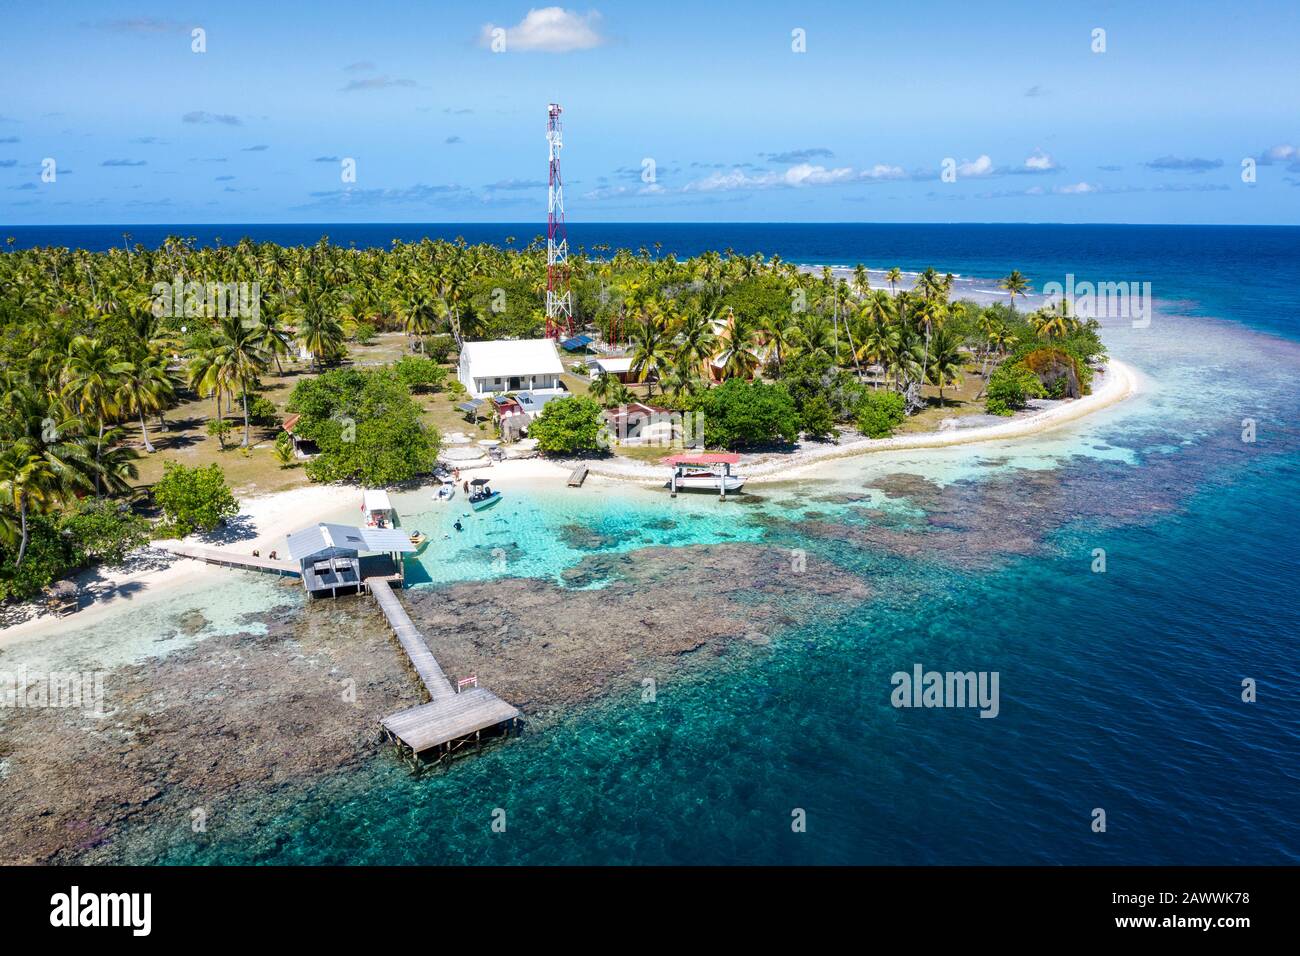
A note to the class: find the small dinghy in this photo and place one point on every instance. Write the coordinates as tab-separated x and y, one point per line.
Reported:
445	492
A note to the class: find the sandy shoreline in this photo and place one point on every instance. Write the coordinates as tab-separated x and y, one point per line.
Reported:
1118	383
264	521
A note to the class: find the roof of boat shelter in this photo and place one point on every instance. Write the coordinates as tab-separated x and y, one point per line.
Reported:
376	499
706	458
324	536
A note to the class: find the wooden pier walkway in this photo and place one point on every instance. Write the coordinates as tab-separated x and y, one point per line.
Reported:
412	641
231	559
450	719
578	476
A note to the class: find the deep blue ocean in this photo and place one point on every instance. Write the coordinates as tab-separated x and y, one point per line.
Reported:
1120	691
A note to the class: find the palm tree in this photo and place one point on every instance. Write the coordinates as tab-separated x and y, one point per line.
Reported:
27	483
601	387
651	350
738	346
873	346
419	316
146	389
893	277
319	329
1054	321
861	281
697	342
271	334
92	373
1015	284
945	362
931	313
816	337
904	356
780	333
43	461
244	358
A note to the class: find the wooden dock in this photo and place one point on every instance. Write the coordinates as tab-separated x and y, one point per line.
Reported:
450	720
412	641
231	559
578	476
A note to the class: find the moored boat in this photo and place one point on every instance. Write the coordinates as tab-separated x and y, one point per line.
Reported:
707	471
481	495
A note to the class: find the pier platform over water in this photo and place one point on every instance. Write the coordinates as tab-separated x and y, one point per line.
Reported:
450	719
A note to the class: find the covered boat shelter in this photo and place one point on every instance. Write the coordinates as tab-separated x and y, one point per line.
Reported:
337	559
719	462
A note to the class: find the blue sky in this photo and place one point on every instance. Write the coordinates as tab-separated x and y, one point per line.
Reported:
739	126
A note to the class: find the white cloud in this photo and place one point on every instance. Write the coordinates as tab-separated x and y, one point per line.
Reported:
1280	154
882	171
548	30
1040	162
806	174
983	166
1076	189
799	175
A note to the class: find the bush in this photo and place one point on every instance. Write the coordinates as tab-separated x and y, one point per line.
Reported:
46	559
364	333
1010	387
440	348
284	451
419	373
262	411
99	530
880	412
219	428
193	499
739	414
366	427
816	418
568	425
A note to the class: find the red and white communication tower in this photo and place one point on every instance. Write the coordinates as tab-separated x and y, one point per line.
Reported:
559	298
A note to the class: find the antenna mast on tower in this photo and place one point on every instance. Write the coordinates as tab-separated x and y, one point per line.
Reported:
559	298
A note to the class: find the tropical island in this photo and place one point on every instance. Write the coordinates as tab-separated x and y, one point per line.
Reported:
146	391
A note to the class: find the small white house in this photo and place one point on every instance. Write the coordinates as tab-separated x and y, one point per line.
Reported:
526	365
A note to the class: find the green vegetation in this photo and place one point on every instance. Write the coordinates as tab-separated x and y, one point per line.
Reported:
93	531
740	414
366	427
569	425
219	429
193	499
816	418
420	373
879	413
94	356
1010	388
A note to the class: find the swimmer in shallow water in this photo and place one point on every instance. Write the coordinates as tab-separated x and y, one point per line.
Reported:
457	525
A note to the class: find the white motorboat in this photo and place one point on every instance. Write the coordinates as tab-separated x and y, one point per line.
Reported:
446	491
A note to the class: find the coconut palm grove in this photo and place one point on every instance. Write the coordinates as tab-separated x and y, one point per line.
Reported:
97	350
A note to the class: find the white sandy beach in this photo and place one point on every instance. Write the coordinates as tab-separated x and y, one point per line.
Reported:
264	521
1118	383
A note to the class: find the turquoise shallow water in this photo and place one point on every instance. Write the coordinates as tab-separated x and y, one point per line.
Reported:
1119	690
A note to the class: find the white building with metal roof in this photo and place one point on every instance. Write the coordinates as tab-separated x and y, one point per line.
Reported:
492	368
